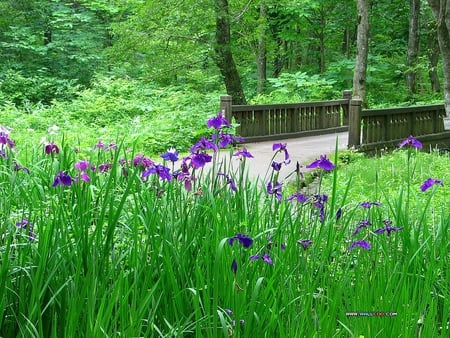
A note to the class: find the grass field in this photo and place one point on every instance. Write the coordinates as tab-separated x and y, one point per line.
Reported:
107	242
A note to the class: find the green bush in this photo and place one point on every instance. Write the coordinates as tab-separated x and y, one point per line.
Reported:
21	89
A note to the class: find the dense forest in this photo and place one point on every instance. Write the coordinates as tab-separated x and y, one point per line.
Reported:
104	60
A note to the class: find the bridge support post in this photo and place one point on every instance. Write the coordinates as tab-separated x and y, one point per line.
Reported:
346	95
354	126
225	106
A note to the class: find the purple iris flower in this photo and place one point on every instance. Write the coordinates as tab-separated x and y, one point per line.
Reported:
218	122
362	244
338	213
322	163
104	167
277	165
62	178
4	139
243	153
281	147
301	198
229	180
362	224
99	145
388	228
51	148
82	165
25	224
3	155
410	141
275	190
162	171
304	243
170	155
18	167
265	257
142	161
199	160
367	205
203	144
234	266
224	139
243	239
429	183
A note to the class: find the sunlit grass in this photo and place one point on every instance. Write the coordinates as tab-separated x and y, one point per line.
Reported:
122	255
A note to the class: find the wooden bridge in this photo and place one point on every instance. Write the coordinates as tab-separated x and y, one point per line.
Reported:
368	129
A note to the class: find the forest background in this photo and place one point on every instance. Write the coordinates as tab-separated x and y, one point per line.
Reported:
157	68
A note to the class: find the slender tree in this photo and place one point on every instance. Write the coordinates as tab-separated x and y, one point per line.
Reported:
441	13
413	46
224	57
362	41
262	52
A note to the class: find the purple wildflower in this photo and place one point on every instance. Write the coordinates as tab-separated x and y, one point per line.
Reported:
4	138
281	147
362	224
428	183
322	163
224	139
62	178
234	266
362	244
244	153
3	155
338	214
170	155
199	160
265	257
229	180
218	122
301	198
162	171
275	190
388	228
367	205
228	312
142	161
51	148
18	167
410	141
304	243
82	165
99	145
104	167
277	165
25	224
203	144
243	239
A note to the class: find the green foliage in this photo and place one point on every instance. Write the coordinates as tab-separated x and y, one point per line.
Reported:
299	87
40	87
120	109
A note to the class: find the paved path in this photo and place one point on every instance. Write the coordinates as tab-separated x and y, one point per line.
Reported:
304	150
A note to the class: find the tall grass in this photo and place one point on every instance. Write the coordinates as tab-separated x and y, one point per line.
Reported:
122	255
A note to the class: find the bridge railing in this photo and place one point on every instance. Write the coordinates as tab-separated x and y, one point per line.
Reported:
279	121
369	129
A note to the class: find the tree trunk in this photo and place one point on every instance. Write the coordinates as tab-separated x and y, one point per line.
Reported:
262	54
224	57
362	42
413	47
433	59
441	13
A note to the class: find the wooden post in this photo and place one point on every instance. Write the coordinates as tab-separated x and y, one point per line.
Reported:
225	107
346	95
354	127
